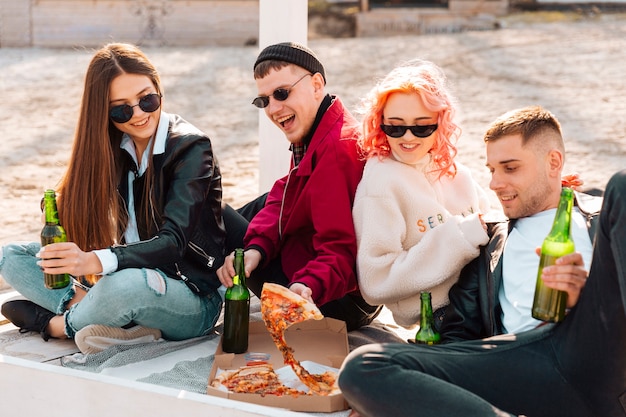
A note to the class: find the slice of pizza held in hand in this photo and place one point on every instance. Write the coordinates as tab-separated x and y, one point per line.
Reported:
280	308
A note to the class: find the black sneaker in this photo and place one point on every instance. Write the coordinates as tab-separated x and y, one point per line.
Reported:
28	316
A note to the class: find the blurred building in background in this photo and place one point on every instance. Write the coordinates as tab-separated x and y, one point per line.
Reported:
91	23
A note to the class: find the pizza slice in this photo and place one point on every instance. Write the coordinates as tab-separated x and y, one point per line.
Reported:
280	308
257	379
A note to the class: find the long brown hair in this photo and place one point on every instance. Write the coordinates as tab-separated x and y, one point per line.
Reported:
90	207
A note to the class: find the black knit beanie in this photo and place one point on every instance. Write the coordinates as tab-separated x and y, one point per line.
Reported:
293	53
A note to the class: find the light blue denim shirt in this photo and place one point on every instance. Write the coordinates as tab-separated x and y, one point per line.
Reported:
108	260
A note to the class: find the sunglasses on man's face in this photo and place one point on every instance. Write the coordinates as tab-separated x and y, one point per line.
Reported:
124	112
279	94
417	130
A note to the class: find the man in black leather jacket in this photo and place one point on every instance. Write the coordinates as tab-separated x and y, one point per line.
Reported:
576	368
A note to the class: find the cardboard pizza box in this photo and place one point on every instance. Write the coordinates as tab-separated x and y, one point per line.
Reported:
324	342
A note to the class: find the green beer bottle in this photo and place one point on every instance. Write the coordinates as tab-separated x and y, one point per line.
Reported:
237	310
53	232
549	304
427	335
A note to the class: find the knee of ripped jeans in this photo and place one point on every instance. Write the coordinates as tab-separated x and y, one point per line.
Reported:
156	281
62	307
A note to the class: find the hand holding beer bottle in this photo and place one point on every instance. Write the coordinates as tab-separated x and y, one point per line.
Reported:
549	304
53	232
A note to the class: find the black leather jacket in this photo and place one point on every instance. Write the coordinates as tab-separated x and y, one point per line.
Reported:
189	243
474	311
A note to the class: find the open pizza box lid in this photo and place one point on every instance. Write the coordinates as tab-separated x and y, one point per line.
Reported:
323	342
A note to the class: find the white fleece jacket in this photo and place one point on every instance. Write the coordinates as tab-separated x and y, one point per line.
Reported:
414	233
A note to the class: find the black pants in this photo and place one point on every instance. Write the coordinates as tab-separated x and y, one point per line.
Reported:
351	308
236	221
573	369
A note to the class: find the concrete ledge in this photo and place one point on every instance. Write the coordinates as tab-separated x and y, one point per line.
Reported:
98	395
412	21
478	7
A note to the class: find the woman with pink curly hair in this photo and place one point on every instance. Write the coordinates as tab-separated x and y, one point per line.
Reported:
417	212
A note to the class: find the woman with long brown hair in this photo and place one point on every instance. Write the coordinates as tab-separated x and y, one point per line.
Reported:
141	204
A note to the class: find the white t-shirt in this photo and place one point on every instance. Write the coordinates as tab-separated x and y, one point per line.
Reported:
520	264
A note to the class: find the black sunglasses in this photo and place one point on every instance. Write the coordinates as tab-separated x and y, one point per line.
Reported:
279	94
417	130
124	112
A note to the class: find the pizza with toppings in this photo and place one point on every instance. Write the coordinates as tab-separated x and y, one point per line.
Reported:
257	379
280	308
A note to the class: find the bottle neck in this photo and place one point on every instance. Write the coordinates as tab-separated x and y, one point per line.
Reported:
240	272
426	312
50	209
238	291
563	217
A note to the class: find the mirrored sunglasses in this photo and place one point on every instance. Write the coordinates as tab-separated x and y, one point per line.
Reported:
124	112
279	94
417	130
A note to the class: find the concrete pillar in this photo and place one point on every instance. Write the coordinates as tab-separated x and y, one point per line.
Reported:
279	21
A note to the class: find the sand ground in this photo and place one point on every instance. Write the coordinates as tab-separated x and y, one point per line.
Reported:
574	67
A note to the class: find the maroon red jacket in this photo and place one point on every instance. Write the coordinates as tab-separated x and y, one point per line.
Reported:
307	218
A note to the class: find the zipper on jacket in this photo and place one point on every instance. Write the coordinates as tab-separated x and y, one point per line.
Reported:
197	249
186	280
282	204
123	245
491	295
496	239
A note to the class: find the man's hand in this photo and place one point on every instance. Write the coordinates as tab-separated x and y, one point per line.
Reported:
303	291
68	258
226	272
568	274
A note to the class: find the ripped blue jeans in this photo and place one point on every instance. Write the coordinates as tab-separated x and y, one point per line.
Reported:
146	297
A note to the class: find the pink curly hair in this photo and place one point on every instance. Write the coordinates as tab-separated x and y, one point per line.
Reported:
428	81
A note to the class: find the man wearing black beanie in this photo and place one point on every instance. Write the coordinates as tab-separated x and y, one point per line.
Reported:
303	238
